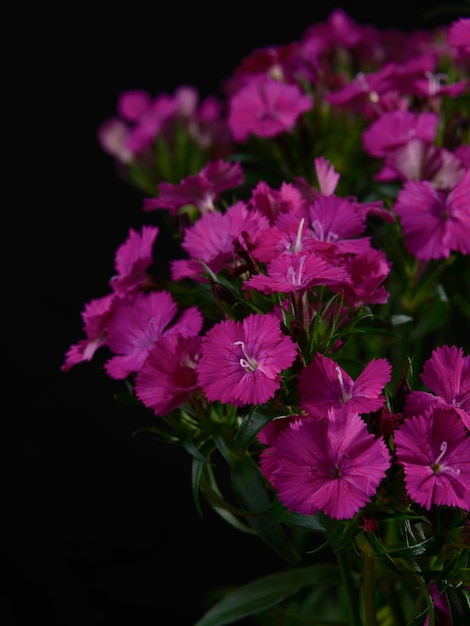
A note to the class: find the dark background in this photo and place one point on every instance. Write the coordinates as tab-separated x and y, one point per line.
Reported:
97	525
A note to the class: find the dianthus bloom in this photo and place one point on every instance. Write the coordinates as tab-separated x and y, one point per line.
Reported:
132	260
434	450
323	385
169	375
435	223
201	190
447	374
332	465
266	108
241	362
138	323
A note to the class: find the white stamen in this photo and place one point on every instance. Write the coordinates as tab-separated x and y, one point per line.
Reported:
345	395
437	468
298	239
248	363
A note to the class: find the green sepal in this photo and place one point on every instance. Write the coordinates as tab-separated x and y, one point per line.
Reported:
266	592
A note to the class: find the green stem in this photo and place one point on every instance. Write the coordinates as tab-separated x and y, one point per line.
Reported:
369	591
349	588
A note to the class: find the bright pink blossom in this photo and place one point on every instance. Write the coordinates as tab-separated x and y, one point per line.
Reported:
168	376
241	362
201	190
447	374
366	273
266	108
139	322
132	261
95	316
323	385
212	240
459	37
295	272
434	450
332	465
395	128
435	223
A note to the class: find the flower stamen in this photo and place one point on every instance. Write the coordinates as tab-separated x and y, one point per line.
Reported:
248	363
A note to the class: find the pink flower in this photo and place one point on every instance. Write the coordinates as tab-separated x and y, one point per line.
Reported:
435	223
95	316
132	260
366	273
241	362
168	377
447	374
459	37
332	465
323	385
266	108
212	240
139	322
395	128
201	190
434	450
294	272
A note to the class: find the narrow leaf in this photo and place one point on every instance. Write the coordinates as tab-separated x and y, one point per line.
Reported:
267	592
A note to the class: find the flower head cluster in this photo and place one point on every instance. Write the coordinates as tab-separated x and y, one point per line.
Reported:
323	215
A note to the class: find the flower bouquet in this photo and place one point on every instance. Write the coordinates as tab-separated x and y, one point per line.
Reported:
295	314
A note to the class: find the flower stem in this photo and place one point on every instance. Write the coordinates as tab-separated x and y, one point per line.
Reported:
348	586
369	591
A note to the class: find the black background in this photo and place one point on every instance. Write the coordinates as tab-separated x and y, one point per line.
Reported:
98	526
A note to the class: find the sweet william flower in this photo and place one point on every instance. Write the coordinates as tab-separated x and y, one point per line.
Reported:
132	260
266	108
241	362
435	223
323	385
434	450
201	190
332	465
168	376
447	374
140	321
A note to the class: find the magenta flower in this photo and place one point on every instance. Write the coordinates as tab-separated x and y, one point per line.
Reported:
139	322
168	377
95	317
324	385
447	374
201	190
459	37
394	129
435	223
331	465
295	273
266	108
241	362
434	450
132	260
212	240
366	273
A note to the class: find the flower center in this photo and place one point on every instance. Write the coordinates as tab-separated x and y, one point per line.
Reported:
248	363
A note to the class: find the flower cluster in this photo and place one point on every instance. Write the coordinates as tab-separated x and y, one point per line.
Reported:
312	331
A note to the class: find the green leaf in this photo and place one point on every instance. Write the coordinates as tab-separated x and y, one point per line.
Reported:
428	547
252	495
249	428
459	604
297	520
267	592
